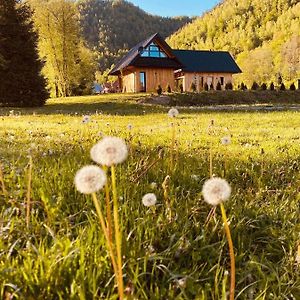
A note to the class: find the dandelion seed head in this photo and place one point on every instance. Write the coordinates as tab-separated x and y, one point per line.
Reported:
173	112
86	119
182	282
149	199
109	151
90	179
216	190
225	140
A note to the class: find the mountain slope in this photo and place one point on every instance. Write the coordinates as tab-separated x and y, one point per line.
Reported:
112	27
264	36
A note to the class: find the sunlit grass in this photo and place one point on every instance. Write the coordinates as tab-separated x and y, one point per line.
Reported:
63	254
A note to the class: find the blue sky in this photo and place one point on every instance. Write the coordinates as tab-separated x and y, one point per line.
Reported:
175	7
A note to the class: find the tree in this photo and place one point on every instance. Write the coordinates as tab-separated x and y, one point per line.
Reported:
263	86
219	87
272	86
193	87
254	86
292	87
69	64
228	86
21	81
282	87
159	90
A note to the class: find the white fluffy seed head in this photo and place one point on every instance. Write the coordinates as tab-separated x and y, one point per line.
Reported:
225	140
90	179
216	190
109	151
173	112
149	199
86	119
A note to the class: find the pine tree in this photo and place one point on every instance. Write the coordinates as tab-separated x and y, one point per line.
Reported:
20	71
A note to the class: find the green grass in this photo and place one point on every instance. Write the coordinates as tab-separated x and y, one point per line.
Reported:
63	256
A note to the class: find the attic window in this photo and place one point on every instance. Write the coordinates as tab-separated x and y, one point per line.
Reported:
153	51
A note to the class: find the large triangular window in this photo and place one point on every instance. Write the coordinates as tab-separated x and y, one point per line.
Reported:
153	51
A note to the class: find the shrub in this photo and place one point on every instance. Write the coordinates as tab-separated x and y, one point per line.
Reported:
292	87
282	87
242	87
218	87
272	87
205	86
228	86
168	88
159	90
193	87
263	87
254	86
211	87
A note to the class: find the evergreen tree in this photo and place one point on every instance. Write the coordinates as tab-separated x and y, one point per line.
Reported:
272	87
21	81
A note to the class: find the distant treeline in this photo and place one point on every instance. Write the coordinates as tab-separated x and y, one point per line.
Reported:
263	35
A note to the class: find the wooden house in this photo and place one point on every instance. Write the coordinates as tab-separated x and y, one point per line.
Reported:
152	63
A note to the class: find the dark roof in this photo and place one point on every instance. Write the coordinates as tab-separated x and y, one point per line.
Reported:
207	61
132	58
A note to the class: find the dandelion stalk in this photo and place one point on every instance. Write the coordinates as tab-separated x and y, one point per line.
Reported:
118	237
109	244
28	204
172	146
108	209
231	252
4	191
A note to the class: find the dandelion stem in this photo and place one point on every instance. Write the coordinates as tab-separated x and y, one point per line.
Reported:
4	191
231	252
210	161
109	244
117	231
108	209
172	146
28	204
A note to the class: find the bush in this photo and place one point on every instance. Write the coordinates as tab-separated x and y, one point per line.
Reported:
272	87
254	86
211	87
263	87
193	87
218	87
292	87
159	90
228	86
282	87
242	87
168	89
205	86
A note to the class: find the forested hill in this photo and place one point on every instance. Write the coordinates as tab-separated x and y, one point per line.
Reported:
264	36
114	26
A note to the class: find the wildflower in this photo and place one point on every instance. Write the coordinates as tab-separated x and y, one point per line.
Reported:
149	199
109	151
129	127
86	119
216	190
225	140
90	179
173	112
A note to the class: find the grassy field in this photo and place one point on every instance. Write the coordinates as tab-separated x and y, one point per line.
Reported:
62	254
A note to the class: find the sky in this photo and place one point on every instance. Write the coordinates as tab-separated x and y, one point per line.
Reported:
169	8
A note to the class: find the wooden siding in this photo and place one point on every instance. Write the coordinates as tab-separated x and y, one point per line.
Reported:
154	77
208	78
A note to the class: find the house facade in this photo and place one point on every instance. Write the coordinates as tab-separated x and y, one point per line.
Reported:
152	63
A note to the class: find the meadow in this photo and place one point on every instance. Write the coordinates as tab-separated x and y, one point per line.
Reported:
176	254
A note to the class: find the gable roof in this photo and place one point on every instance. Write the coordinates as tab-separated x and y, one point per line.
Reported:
207	61
132	58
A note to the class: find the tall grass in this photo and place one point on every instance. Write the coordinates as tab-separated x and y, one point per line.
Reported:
63	254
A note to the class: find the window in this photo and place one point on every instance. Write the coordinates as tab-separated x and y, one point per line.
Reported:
153	51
